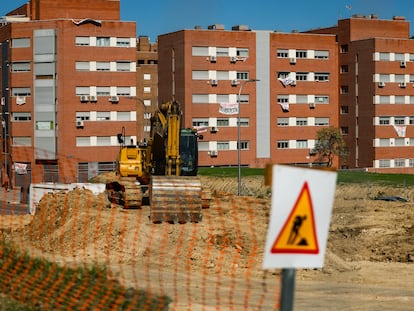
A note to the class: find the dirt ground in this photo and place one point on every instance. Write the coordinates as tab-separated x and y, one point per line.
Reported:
217	264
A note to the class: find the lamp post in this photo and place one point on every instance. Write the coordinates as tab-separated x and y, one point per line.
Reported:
238	134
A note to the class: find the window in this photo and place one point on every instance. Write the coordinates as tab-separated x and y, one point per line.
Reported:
411	162
282	121
321	99
222	146
147	76
82	66
21	116
123	42
82	90
322	54
222	51
83	141
20	66
222	122
200	121
384	56
147	89
344	109
399	120
384	78
301	121
301	99
244	121
223	98
123	66
123	91
282	53
82	41
22	141
244	145
411	122
103	116
123	116
282	144
344	69
399	78
20	43
103	91
200	99
399	142
283	74
244	98
344	130
147	102
200	51
103	141
83	115
321	121
399	99
242	52
321	76
399	56
384	142
21	91
384	120
223	75
283	98
399	163
102	41
344	89
384	99
302	76
200	75
103	66
242	76
301	54
301	144
384	163
44	125
344	48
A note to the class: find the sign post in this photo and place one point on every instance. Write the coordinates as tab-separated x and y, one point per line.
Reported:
302	200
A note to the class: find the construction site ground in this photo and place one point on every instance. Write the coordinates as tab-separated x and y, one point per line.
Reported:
216	264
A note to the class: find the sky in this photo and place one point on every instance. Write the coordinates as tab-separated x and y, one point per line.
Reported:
158	17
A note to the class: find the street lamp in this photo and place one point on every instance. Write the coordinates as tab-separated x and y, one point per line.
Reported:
238	134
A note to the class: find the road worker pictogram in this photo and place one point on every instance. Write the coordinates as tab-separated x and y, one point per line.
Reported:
298	234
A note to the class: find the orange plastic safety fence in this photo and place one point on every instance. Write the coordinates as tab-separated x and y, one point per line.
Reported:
126	259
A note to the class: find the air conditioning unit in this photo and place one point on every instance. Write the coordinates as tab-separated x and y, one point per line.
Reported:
234	82
84	98
213	58
233	59
213	153
403	64
293	60
312	105
214	129
79	123
403	84
93	98
213	82
381	84
114	99
312	152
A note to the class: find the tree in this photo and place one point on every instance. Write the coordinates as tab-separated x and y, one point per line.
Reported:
330	143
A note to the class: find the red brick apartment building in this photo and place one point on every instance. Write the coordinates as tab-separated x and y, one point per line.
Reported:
376	92
206	71
357	75
68	86
147	84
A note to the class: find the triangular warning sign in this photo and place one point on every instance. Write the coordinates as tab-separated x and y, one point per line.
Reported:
298	234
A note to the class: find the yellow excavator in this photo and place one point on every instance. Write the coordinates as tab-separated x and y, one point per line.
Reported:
163	169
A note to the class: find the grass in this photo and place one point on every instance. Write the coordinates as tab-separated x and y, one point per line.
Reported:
343	176
28	283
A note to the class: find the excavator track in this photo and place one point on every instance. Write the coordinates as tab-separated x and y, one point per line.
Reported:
175	199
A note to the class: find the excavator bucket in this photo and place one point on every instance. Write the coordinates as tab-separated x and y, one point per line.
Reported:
175	199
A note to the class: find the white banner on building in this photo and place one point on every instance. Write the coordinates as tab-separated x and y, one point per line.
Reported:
286	81
20	168
227	108
400	130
